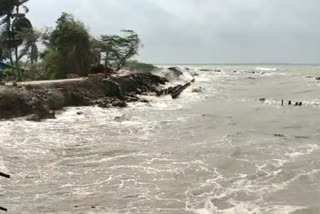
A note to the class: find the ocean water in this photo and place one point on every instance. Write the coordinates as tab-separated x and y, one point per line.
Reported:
220	151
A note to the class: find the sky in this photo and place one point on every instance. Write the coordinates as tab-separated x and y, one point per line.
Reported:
201	31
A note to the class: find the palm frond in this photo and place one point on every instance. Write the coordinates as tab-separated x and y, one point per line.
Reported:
25	8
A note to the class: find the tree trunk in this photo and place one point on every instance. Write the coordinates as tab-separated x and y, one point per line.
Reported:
106	64
124	60
9	39
121	63
19	78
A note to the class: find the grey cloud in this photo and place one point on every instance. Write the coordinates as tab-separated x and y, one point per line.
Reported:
202	31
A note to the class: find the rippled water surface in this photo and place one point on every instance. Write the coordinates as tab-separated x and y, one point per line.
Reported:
218	151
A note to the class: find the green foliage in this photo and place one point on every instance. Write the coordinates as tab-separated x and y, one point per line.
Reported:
134	65
35	71
4	51
12	21
20	24
69	48
96	47
5	6
29	48
54	64
9	72
119	49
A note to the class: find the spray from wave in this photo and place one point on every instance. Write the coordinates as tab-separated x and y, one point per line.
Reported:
266	69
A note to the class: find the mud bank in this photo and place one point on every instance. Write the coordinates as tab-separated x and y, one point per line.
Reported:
40	101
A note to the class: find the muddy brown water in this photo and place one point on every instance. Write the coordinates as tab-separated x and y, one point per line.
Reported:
218	151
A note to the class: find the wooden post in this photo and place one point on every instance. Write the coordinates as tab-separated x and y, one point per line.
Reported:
6	176
4	209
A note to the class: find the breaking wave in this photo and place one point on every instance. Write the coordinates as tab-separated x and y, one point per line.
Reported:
216	150
266	69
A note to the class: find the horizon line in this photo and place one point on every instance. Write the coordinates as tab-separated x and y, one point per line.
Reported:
262	63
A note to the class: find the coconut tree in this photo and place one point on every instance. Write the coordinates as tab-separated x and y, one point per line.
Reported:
6	14
19	24
29	48
12	22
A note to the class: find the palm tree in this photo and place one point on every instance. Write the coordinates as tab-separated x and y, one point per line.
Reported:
29	48
19	24
6	11
12	22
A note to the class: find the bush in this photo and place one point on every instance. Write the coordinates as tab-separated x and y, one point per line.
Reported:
9	74
36	72
134	65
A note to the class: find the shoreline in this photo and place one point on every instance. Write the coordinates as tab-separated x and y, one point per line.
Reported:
38	100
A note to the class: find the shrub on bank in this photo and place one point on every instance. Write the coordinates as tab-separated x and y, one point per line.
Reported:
135	65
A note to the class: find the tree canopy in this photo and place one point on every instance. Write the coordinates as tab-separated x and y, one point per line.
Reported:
13	21
68	48
119	49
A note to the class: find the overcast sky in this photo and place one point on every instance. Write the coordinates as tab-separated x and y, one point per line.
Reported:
201	31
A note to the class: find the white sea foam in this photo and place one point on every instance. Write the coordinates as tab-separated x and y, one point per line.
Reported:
244	208
293	154
266	69
166	157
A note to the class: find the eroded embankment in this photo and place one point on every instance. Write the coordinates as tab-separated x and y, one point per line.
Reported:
40	101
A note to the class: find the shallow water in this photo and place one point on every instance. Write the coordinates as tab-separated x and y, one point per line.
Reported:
218	151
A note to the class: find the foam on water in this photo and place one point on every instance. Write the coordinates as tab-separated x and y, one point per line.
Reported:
219	151
266	69
245	208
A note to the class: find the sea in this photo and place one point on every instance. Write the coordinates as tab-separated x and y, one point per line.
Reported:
230	144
